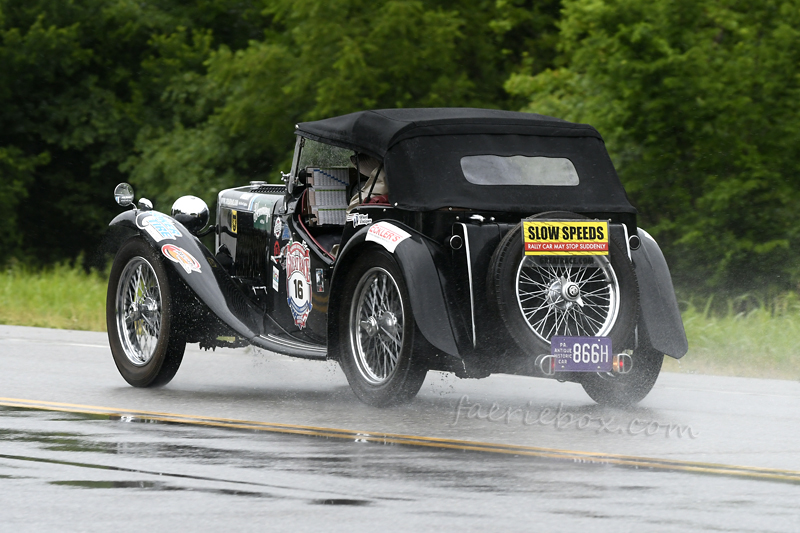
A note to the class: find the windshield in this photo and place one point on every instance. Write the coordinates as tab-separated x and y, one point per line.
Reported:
319	155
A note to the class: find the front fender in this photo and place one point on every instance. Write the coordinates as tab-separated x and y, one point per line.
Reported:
660	315
420	274
195	265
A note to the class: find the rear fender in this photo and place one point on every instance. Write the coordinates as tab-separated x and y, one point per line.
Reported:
660	316
192	262
415	259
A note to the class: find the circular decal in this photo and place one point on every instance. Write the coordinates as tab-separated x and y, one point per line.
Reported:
178	255
298	281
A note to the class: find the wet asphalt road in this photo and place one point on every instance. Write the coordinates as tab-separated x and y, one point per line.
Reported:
117	470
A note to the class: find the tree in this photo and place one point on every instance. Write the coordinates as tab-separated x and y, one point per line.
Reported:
79	80
320	59
698	103
189	97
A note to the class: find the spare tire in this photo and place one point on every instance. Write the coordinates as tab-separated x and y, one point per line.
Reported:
537	300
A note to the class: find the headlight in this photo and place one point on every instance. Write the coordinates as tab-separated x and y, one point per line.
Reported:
192	212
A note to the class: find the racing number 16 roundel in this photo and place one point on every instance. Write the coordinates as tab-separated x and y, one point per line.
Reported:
298	281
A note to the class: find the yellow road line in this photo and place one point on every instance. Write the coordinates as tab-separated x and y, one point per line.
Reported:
773	474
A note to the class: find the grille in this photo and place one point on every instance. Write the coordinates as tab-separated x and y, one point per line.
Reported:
269	189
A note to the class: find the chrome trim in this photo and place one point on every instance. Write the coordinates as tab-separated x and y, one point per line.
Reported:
627	241
290	347
469	275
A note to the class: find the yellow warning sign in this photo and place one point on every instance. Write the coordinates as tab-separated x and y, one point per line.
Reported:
561	237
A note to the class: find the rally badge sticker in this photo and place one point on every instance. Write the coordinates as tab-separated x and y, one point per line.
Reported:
159	226
565	237
276	252
176	254
358	219
320	280
298	281
278	228
276	278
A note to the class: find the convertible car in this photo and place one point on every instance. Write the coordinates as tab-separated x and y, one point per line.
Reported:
405	240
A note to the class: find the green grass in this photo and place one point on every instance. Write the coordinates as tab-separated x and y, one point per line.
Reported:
62	297
761	342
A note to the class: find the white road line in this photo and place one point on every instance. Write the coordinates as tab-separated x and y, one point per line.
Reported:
34	341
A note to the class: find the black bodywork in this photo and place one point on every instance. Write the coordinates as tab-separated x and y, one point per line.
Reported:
263	233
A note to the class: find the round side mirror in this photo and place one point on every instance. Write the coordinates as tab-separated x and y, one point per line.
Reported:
123	194
192	212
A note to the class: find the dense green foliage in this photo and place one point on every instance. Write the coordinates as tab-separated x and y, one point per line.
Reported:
180	97
78	81
320	59
698	102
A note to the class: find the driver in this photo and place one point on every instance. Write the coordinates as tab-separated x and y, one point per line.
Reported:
376	182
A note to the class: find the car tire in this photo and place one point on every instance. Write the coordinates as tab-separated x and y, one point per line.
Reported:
623	390
526	314
378	330
144	342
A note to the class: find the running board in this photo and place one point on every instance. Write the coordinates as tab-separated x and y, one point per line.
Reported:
290	347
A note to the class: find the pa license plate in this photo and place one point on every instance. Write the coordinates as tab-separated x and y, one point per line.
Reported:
582	354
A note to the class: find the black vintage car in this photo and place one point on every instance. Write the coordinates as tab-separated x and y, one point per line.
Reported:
405	240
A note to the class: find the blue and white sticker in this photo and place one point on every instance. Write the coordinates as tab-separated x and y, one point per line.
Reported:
358	219
158	225
276	278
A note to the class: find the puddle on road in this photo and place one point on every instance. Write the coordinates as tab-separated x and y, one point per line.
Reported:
341	501
155	485
110	484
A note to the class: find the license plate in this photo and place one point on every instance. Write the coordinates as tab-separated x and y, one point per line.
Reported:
565	237
582	354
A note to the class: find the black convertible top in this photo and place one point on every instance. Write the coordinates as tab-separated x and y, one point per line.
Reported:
375	132
423	151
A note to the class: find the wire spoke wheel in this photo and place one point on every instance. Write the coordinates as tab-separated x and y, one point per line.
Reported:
568	299
377	325
146	343
539	297
375	344
139	311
